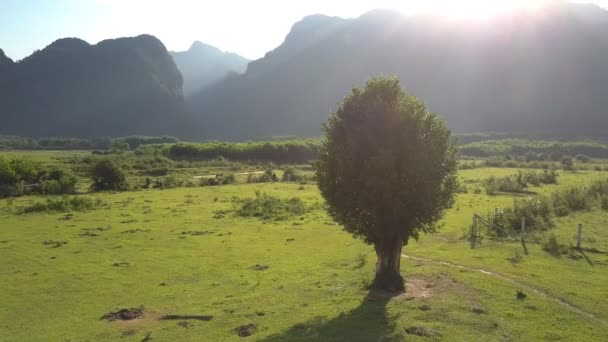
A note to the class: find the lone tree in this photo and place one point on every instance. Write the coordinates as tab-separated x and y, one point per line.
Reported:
387	170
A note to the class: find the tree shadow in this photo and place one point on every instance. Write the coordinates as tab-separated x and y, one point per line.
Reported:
582	252
368	322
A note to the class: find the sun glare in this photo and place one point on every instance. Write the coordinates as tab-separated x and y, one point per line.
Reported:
471	9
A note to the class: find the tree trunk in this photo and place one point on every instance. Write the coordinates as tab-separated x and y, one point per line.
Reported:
388	276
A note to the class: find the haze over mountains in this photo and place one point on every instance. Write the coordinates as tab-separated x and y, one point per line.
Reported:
540	72
203	64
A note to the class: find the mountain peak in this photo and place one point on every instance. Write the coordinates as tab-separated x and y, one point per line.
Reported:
68	43
4	59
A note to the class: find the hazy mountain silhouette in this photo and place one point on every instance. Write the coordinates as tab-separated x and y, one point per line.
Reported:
4	60
71	88
542	73
203	65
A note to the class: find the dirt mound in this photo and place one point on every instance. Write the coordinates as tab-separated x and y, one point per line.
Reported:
258	267
124	314
246	330
421	331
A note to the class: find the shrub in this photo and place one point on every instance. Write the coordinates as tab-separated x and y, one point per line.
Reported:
536	211
551	246
267	176
64	204
168	182
511	184
107	174
598	188
567	164
219	179
604	202
268	207
58	181
291	175
572	199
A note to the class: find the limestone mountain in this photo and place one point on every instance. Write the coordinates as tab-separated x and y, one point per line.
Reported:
203	65
71	88
542	72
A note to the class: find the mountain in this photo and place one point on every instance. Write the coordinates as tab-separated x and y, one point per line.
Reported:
203	65
4	60
71	88
537	72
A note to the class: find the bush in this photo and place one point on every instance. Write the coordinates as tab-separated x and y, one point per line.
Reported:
58	181
291	175
572	199
64	204
267	176
536	211
512	184
269	207
519	182
169	182
219	179
22	177
551	246
604	202
567	164
107	174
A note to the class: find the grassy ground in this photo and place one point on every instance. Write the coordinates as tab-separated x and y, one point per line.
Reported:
183	252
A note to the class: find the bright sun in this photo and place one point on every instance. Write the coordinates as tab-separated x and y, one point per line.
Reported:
470	9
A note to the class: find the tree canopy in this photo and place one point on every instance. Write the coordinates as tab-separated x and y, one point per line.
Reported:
387	170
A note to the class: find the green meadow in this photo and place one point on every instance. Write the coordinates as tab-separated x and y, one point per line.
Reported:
200	272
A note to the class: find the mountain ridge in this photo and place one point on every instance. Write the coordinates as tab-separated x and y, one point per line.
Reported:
526	71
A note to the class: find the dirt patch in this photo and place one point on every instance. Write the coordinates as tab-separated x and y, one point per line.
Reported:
88	233
120	264
133	231
421	331
196	232
258	267
184	324
124	314
54	244
187	317
421	287
246	330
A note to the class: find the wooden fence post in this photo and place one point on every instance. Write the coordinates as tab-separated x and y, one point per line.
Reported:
474	232
521	235
579	236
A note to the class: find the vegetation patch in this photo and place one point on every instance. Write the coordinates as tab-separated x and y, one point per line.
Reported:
422	331
63	204
124	314
269	207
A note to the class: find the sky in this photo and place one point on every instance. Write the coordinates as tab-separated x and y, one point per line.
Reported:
247	27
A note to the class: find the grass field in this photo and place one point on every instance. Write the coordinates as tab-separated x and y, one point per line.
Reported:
201	273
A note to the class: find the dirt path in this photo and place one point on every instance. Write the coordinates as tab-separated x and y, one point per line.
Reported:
236	174
521	285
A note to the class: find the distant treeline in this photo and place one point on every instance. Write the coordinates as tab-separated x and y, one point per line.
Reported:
535	149
281	151
294	150
66	143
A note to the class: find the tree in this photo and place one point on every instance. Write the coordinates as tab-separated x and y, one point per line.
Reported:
567	164
108	175
387	170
